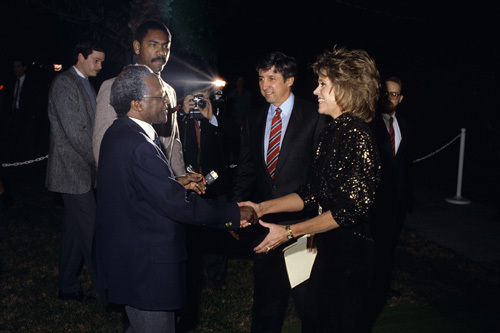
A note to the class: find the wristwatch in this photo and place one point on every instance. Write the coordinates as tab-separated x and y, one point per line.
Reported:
289	234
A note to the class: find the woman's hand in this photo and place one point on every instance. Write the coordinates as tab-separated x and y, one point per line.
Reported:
276	237
257	207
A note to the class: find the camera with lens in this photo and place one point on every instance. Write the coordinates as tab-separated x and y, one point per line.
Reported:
199	103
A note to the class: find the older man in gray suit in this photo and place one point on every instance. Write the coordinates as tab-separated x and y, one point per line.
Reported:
71	166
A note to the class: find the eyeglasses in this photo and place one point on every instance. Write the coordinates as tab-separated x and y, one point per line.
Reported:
164	98
391	95
151	96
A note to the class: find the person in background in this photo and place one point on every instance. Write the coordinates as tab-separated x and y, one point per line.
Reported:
71	165
393	134
151	47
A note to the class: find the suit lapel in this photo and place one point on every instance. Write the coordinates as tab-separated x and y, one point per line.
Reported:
139	129
260	131
78	82
291	134
403	130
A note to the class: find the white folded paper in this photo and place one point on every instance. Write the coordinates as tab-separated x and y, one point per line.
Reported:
299	261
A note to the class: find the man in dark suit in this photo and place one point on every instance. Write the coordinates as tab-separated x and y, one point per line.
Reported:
71	165
393	136
201	136
278	145
138	245
22	106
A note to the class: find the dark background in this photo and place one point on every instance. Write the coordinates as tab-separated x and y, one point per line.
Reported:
446	53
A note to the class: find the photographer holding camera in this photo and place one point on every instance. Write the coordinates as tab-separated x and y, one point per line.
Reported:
201	136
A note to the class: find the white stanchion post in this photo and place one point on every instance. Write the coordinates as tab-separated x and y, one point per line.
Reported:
458	199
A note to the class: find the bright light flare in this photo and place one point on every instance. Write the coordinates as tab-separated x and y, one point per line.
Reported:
219	83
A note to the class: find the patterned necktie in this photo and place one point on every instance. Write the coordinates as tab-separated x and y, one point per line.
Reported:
391	134
157	141
273	149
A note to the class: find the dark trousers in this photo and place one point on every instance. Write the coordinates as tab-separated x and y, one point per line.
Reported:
272	291
386	229
76	238
142	321
337	287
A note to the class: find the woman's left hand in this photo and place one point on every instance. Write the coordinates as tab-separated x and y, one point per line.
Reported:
276	237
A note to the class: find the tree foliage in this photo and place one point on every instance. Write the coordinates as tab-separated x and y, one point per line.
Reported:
113	23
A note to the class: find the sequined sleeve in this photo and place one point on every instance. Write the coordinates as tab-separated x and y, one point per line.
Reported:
345	172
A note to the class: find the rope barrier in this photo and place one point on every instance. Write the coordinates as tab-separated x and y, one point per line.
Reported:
5	165
437	150
457	199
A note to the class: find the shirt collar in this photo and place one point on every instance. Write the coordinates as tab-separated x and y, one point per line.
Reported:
150	131
386	116
79	73
286	107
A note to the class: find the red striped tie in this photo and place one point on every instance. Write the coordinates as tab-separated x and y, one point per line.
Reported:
274	144
391	134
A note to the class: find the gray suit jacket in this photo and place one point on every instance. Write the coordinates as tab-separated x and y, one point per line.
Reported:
71	166
105	115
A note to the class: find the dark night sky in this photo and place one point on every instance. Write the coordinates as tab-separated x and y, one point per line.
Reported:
446	52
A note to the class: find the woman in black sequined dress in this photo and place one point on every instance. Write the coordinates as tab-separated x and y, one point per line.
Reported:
341	186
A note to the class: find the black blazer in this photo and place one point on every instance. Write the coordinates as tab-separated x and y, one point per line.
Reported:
210	155
138	249
395	181
252	180
31	100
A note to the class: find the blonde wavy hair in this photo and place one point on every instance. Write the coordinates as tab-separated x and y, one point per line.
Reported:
355	79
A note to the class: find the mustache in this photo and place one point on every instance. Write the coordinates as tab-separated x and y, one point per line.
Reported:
159	58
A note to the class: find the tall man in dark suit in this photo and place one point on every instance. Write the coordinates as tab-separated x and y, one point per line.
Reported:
393	195
71	164
138	245
278	145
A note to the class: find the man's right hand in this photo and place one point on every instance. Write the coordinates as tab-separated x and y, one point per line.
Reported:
248	216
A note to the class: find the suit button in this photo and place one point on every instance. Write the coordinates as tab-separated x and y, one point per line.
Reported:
228	224
274	188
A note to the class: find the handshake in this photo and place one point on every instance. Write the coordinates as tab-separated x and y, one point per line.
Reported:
248	216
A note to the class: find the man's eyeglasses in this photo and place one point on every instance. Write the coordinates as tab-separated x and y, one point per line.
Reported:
391	95
164	98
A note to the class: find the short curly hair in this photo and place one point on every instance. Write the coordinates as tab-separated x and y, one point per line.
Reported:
355	79
129	86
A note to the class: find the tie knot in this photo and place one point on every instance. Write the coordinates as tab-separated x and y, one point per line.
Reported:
278	111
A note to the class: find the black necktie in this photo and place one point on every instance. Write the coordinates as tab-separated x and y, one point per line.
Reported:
157	141
16	94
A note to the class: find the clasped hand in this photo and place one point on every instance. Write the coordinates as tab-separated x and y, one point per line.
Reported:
276	235
248	216
193	181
